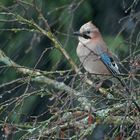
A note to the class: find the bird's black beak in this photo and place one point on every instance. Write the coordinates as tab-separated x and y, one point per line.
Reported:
82	35
77	33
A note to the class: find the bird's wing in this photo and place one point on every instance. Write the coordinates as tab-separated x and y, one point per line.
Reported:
110	63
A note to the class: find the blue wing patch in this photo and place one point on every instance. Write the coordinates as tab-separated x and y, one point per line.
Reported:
110	64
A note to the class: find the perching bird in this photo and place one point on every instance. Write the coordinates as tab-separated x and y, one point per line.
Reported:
94	54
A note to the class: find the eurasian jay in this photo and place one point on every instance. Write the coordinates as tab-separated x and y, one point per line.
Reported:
93	52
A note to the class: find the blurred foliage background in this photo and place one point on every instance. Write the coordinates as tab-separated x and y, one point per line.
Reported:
117	20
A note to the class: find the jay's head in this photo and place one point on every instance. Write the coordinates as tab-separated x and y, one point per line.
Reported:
87	32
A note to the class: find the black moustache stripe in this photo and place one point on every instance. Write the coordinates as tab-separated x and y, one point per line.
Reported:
86	36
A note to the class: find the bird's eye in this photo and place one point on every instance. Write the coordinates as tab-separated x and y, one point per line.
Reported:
88	32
